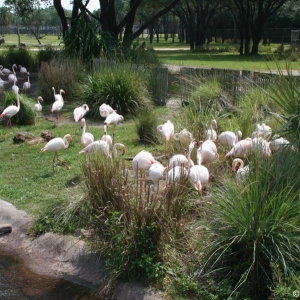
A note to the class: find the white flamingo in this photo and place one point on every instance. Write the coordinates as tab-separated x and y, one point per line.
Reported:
23	70
167	131
38	108
86	137
58	97
242	171
56	107
80	112
26	84
5	71
278	143
102	147
207	152
229	138
107	138
263	131
199	175
211	133
112	119
15	88
141	162
13	77
156	173
183	136
56	145
11	111
261	146
105	110
241	149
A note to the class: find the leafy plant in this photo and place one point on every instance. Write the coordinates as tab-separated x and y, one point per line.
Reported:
251	226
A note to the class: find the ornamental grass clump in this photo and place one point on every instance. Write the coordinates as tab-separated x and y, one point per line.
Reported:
255	224
131	225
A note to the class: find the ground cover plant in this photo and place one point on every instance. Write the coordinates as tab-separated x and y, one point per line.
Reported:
162	234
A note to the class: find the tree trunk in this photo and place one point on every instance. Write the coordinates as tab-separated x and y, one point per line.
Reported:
62	16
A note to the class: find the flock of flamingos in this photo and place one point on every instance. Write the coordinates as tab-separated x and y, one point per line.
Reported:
178	166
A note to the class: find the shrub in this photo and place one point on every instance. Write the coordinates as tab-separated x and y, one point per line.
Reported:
253	225
123	88
26	115
60	73
45	55
146	126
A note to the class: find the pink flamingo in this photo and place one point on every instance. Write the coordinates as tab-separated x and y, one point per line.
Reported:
112	119
56	145
15	88
23	70
5	71
156	173
242	171
207	152
166	130
229	138
80	112
199	175
240	149
86	137
57	106
10	111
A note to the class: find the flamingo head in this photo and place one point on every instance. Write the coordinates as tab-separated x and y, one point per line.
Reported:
85	107
40	98
214	124
123	151
62	91
200	145
198	186
82	122
20	66
53	89
15	66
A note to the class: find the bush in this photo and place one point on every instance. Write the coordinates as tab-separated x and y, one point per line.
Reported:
45	55
26	115
121	87
60	73
253	225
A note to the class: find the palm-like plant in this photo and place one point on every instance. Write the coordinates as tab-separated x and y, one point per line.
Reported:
256	224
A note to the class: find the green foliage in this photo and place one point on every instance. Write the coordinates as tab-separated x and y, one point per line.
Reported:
122	87
60	73
18	56
255	224
82	41
46	54
146	123
26	115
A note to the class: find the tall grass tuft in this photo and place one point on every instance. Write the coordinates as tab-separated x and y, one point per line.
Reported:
122	87
131	226
256	224
60	73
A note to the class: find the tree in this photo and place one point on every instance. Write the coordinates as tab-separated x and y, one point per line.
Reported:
5	19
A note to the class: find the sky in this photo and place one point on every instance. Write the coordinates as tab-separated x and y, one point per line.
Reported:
93	5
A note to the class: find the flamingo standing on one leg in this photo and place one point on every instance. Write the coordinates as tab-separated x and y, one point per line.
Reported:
56	145
38	108
58	97
13	77
10	111
27	84
80	112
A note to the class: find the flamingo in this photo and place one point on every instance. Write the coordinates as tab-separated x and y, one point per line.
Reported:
261	146
207	152
242	171
26	84
80	112
10	111
86	137
156	173
56	145
15	88
142	161
107	138
167	130
229	138
199	175
38	108
23	70
240	149
5	71
112	119
58	97
263	131
211	133
57	106
13	77
102	147
183	135
105	110
278	143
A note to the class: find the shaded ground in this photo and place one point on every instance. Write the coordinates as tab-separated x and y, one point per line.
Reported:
61	256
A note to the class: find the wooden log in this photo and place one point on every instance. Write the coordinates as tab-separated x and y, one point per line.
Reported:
5	228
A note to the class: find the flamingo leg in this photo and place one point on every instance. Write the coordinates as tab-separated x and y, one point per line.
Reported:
53	162
62	162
